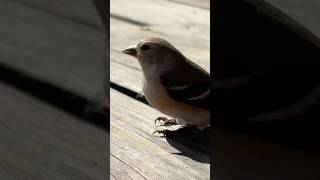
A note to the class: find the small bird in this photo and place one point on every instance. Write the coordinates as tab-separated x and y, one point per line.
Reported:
173	84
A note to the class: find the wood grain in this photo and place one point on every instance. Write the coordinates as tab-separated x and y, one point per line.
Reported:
124	76
41	142
166	17
194	3
137	154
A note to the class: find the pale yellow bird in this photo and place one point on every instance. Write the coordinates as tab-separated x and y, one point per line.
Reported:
173	84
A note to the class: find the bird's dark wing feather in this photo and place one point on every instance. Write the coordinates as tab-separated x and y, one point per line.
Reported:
192	91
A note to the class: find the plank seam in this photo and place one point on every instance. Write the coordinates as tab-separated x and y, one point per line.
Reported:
129	92
69	102
130	21
113	176
115	61
129	166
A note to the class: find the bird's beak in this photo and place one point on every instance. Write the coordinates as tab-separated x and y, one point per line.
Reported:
132	50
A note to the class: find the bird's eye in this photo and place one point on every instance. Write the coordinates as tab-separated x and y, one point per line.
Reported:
145	47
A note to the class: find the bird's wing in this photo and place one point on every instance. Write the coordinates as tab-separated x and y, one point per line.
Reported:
191	87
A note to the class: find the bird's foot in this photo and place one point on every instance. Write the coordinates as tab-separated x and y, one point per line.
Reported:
165	121
163	133
183	131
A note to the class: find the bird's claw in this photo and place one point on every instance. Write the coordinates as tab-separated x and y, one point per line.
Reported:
166	121
159	119
163	132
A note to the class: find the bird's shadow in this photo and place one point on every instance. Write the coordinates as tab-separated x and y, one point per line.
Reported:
191	142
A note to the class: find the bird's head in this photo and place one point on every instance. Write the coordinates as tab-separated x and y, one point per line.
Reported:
153	51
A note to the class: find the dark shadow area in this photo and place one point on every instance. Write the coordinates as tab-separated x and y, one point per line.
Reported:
279	103
188	139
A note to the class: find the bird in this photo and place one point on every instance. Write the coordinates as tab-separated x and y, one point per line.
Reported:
173	84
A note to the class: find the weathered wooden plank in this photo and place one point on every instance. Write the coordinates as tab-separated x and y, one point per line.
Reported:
237	156
118	57
127	77
39	141
165	17
54	44
136	153
195	3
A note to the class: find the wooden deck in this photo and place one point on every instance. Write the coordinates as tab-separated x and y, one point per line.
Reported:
52	75
53	115
135	152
